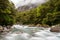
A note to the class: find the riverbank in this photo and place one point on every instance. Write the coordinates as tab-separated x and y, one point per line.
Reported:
5	29
39	25
21	32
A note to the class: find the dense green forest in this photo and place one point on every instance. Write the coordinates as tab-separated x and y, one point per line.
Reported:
47	13
7	12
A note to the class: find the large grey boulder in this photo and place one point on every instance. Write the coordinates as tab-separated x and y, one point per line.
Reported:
55	28
1	29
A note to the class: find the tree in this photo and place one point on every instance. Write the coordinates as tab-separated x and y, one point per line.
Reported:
46	13
7	12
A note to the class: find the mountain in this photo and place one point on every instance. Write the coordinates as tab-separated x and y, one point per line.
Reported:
27	7
30	5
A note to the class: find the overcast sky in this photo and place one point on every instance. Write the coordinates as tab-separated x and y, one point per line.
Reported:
24	2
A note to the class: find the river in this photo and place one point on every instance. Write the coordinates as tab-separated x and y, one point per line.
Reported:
21	32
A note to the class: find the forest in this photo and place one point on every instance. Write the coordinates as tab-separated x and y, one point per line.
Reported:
46	13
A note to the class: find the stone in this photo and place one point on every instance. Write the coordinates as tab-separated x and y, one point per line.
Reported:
55	28
1	29
45	26
38	25
31	25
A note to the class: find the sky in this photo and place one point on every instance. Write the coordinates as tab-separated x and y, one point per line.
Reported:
25	2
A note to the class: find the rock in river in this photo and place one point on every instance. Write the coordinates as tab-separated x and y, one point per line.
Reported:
56	28
1	29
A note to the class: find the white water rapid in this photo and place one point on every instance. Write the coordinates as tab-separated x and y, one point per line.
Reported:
21	32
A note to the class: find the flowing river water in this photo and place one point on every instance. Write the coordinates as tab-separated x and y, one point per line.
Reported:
20	32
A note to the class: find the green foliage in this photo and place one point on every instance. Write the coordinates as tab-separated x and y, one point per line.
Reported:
7	12
47	13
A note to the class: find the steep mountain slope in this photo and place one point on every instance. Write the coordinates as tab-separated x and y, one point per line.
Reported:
30	4
27	7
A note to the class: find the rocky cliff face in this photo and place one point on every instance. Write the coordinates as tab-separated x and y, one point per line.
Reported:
27	7
30	4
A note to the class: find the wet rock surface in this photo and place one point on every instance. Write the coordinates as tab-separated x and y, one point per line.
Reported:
1	29
55	28
21	32
4	29
39	25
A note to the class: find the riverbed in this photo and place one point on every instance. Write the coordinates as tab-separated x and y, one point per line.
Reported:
21	32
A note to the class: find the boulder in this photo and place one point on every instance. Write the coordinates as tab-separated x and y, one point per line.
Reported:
42	25
31	25
1	29
38	25
55	28
45	26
